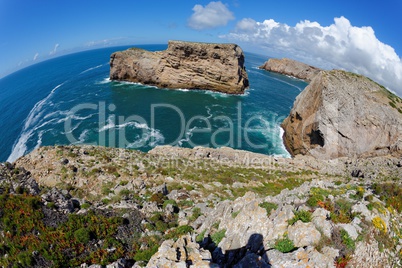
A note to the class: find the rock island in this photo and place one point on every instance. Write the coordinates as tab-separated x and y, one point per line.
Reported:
184	65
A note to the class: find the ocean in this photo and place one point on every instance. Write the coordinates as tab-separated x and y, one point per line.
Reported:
70	100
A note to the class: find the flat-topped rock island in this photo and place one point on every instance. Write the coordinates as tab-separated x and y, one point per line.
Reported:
184	65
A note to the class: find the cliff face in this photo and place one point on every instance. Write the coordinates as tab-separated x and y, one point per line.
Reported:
344	114
292	68
217	67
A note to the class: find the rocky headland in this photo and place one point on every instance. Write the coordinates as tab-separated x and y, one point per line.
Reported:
292	68
344	114
184	65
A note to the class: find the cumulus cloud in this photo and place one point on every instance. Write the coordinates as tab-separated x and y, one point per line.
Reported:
212	15
54	49
339	45
36	56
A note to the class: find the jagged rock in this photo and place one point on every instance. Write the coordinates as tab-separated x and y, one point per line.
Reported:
291	67
62	201
350	229
185	252
280	219
217	67
369	255
17	180
303	234
343	114
301	258
320	219
120	263
357	173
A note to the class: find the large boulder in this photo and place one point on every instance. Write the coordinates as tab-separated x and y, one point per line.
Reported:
184	65
291	67
344	114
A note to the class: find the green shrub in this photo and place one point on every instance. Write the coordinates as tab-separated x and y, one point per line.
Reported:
234	214
347	240
390	193
218	236
342	211
200	237
145	255
82	235
196	214
51	205
314	199
159	198
284	245
268	207
123	183
179	231
161	226
184	229
85	206
303	215
25	259
169	201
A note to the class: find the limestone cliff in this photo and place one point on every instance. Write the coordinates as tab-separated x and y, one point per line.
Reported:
217	67
291	67
344	114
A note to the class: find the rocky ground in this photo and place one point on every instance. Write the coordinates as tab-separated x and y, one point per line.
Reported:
174	207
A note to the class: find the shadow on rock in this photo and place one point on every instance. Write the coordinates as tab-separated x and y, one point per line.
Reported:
251	255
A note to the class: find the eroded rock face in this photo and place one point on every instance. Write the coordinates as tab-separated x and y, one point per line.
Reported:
291	67
217	67
343	114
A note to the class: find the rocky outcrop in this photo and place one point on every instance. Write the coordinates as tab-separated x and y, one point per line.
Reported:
184	252
217	67
291	67
202	207
344	114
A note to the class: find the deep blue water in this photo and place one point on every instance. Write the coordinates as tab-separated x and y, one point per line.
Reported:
70	100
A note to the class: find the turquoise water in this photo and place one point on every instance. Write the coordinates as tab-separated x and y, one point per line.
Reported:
70	100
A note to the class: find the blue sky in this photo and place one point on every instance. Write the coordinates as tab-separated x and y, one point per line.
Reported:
366	36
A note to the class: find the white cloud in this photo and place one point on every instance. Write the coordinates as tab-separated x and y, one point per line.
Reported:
54	49
36	56
212	15
339	45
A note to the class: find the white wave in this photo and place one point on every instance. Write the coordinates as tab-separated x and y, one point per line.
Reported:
189	135
156	138
273	78
20	146
39	142
285	153
153	136
82	137
182	89
209	112
105	81
92	68
216	94
110	124
122	83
